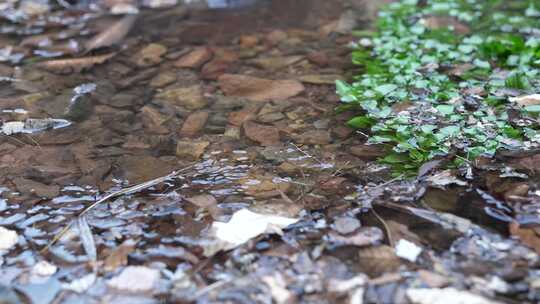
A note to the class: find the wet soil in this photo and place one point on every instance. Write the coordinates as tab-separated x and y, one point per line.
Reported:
242	101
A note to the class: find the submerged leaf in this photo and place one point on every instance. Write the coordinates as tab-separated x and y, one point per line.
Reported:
87	238
112	35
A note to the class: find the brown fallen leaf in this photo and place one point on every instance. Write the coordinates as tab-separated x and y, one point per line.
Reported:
400	231
112	35
527	235
75	64
206	201
119	255
377	260
528	100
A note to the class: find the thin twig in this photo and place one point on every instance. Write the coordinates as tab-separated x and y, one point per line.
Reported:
15	139
386	227
341	169
306	154
211	287
126	191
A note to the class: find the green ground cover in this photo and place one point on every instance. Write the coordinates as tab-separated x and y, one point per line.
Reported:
438	79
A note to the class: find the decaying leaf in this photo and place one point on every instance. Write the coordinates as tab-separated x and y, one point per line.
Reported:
75	64
445	178
111	35
119	255
86	238
377	260
207	202
527	235
527	100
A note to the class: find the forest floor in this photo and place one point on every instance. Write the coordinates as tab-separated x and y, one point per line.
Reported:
240	105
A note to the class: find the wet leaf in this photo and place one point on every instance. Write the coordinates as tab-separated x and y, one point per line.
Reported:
445	178
527	235
377	260
87	238
119	256
245	225
207	202
112	35
76	64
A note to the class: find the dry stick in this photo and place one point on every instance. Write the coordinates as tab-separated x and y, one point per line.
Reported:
14	139
341	169
306	154
385	225
126	191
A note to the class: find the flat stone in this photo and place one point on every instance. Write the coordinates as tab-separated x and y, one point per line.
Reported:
163	79
214	68
367	152
346	224
222	103
237	118
136	279
191	97
259	89
138	169
194	59
314	137
271	117
275	63
194	124
150	55
319	58
122	100
263	134
191	149
153	120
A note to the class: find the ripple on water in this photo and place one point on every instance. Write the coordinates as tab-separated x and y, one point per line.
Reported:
10	220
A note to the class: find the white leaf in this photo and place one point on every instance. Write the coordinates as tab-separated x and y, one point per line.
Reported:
82	284
528	100
8	239
408	250
445	295
86	238
245	225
